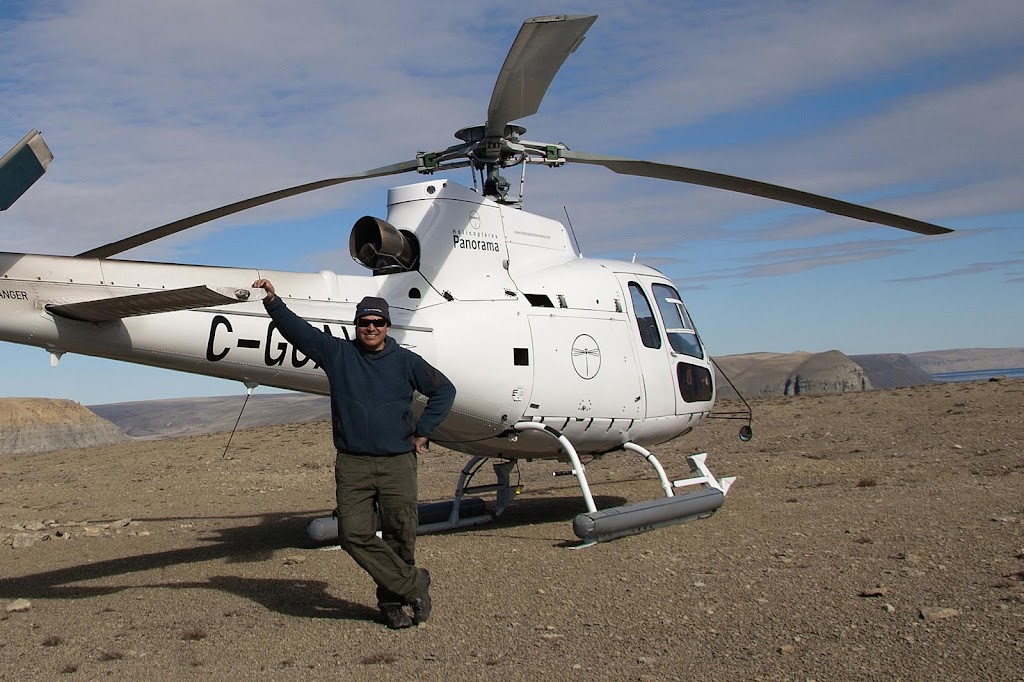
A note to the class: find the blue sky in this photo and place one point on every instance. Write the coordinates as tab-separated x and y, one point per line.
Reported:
158	110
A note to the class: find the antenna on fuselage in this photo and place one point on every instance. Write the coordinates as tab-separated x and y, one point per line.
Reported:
572	232
249	388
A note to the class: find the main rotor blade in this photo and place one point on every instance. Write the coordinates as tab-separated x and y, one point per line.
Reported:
536	55
141	238
22	166
649	169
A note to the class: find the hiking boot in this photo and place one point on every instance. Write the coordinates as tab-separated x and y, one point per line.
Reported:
421	605
395	617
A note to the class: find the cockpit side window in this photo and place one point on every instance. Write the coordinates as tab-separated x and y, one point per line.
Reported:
645	321
682	335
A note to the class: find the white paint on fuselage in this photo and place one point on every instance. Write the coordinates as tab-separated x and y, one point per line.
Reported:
465	311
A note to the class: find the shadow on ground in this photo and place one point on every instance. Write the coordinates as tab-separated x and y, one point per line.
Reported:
238	544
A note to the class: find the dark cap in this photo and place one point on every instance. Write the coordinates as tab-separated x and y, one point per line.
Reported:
371	305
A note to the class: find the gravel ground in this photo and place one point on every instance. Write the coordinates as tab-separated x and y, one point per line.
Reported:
870	536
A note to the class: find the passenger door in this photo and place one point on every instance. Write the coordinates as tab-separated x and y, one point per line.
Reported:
652	350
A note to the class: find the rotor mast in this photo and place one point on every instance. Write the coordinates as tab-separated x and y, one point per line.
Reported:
538	52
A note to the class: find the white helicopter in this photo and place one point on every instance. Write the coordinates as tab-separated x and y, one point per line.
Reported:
584	357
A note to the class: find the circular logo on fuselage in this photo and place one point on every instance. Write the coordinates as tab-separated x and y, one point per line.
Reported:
586	356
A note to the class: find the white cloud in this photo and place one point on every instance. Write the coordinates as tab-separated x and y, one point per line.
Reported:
160	110
158	114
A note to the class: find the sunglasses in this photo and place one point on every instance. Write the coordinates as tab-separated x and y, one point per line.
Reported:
376	323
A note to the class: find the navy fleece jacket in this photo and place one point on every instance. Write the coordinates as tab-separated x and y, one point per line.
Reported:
371	393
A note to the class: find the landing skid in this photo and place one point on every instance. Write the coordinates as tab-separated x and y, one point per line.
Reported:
460	512
640	517
616	522
465	509
457	508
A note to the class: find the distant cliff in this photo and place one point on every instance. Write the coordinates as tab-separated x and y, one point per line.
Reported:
39	425
799	373
189	416
968	359
892	370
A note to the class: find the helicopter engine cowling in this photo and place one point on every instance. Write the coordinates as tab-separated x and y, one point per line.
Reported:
382	247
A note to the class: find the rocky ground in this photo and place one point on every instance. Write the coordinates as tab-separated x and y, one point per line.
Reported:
870	536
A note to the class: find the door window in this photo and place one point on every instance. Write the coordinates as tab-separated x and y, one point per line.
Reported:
694	382
645	321
681	334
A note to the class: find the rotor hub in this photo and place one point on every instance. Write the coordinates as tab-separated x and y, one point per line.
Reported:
474	134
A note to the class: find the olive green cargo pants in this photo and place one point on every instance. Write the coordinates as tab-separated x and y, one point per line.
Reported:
367	485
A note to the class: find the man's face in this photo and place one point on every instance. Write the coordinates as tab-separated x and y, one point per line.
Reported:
372	332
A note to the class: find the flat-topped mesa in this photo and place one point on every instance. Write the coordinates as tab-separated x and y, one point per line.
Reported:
761	375
42	424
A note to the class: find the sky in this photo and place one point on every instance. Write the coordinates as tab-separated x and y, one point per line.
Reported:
155	111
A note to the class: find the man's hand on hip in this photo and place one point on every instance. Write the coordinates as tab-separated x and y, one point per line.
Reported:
421	443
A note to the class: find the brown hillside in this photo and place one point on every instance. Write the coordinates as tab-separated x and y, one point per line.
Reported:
829	372
40	424
968	359
762	375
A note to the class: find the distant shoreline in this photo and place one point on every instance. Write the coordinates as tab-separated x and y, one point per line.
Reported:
978	375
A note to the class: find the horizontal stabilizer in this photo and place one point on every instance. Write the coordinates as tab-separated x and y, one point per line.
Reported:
189	298
22	166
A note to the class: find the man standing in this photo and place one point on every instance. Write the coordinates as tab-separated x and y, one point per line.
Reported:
377	438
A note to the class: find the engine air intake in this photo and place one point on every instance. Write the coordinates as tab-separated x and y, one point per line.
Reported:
382	247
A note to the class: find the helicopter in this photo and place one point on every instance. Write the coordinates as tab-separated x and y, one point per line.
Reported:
588	357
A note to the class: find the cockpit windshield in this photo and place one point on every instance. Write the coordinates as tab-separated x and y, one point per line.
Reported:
682	335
